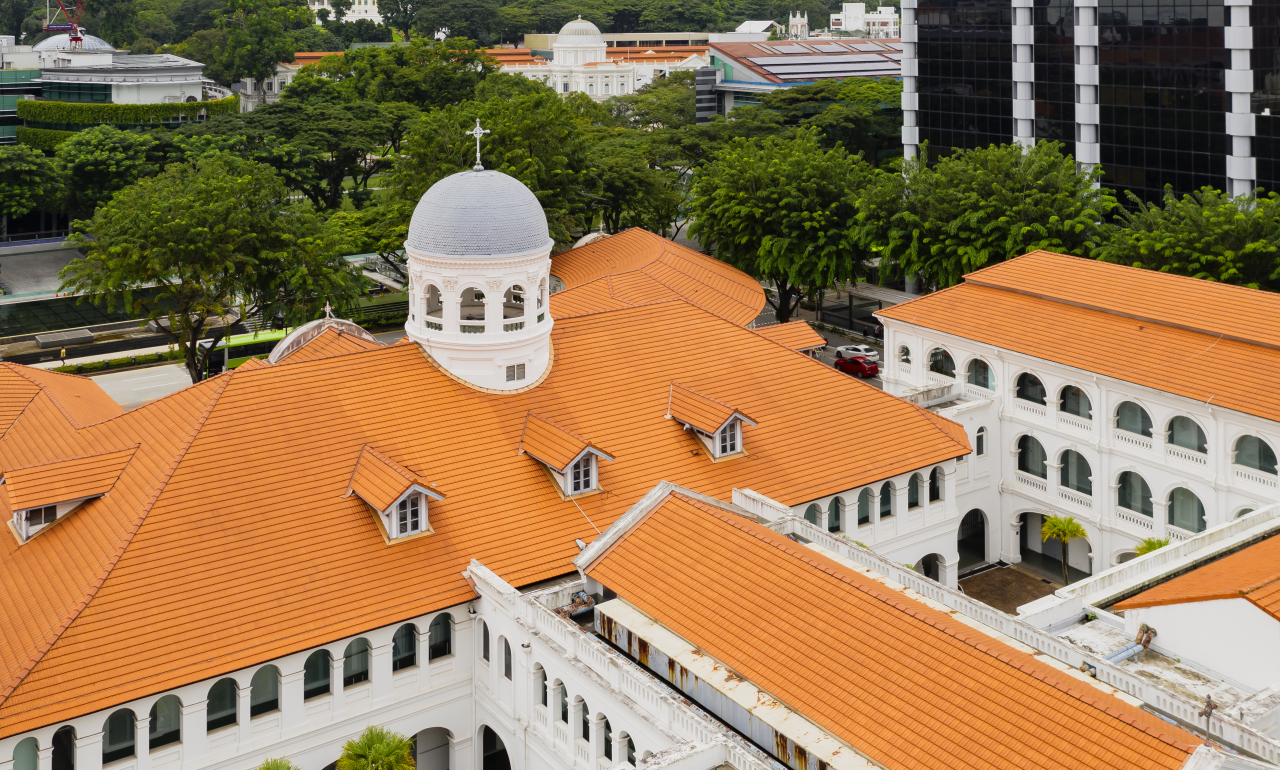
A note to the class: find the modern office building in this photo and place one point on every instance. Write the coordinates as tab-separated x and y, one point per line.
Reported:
1159	94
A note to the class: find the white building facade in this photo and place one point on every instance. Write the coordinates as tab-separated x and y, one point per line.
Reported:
856	20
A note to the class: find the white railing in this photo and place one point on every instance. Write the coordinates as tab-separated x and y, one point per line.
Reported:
927	395
1075	423
1136	440
1134	519
1224	728
1030	408
1255	477
1178	534
582	752
1185	455
1035	482
1075	498
977	391
562	734
904	368
940	379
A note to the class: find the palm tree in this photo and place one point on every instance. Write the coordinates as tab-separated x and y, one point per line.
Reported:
278	764
1064	529
1151	544
377	748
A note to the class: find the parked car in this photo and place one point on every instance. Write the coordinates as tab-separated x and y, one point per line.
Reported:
858	366
859	351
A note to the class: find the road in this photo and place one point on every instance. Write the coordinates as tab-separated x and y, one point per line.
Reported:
137	387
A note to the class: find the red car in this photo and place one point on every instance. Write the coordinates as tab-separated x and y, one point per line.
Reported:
857	366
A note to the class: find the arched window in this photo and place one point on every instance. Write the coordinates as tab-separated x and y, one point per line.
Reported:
811	513
1253	452
432	308
118	736
542	681
1134	494
913	491
506	658
1185	510
26	755
1243	512
1184	432
864	507
886	500
221	709
484	641
1030	388
355	663
315	674
631	751
440	637
980	442
935	485
940	362
1076	473
584	717
166	722
835	511
607	738
1134	419
562	696
64	748
404	647
904	354
1075	401
471	311
980	374
1031	457
264	691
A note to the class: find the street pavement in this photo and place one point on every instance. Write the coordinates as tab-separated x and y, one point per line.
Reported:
138	386
828	355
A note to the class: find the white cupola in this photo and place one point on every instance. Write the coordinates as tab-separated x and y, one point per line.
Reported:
579	42
479	259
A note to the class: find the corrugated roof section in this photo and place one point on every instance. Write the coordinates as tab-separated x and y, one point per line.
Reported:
905	684
66	480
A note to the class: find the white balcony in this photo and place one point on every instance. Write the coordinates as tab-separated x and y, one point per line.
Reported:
1255	477
1075	498
1032	482
1133	440
1074	423
1189	456
1132	520
978	392
1030	409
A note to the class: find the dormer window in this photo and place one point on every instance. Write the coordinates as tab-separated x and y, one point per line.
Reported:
582	475
571	459
409	516
39	493
728	439
717	425
398	496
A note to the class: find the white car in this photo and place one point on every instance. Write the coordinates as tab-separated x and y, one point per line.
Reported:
866	351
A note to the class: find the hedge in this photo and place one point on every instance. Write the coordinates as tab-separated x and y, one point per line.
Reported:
89	114
45	139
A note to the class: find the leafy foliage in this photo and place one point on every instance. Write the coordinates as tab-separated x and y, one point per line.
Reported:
278	764
27	179
46	139
87	114
209	234
258	35
377	748
1150	544
208	47
1064	529
1206	234
98	162
426	73
777	208
980	207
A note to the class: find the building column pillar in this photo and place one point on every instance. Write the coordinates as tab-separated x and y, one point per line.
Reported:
619	746
141	744
89	752
1054	473
422	637
900	509
195	734
875	515
244	706
948	572
1160	517
335	685
380	672
1242	172
910	72
44	754
1024	74
292	707
822	518
1088	148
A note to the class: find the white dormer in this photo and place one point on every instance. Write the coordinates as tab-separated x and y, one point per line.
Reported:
572	461
716	424
398	496
39	495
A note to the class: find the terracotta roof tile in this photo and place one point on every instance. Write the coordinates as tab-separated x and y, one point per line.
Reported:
66	480
1252	573
78	397
702	412
229	539
379	480
1138	328
551	444
797	335
907	685
330	342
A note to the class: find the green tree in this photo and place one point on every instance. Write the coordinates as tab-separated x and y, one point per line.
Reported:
314	38
113	21
278	764
504	85
192	16
975	208
1150	544
1064	529
1205	234
633	190
400	14
98	162
777	208
664	15
426	73
664	103
27	180
211	235
258	39
209	47
473	19
377	748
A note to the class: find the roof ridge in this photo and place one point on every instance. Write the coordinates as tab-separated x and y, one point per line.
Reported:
692	278
955	633
104	571
125	448
408	475
21	411
675	384
20	369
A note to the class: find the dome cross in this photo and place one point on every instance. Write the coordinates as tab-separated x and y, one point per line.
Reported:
477	132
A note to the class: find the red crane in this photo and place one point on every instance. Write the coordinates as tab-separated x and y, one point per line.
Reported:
70	23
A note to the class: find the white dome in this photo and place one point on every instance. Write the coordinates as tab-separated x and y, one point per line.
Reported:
478	214
580	32
63	43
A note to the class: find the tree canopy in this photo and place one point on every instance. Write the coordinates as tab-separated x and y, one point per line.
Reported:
27	180
98	162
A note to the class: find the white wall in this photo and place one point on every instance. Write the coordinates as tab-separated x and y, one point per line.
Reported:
1229	636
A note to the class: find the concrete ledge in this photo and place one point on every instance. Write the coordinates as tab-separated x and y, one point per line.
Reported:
69	337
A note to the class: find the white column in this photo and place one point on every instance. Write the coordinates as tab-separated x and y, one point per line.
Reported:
1054	471
141	743
597	740
89	752
947	572
1087	119
822	518
292	708
1024	74
335	685
195	734
44	755
243	706
450	306
422	639
1160	517
619	745
910	72
1242	172
493	307
380	673
949	506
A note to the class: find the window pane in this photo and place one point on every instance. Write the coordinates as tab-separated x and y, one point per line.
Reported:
221	709
264	696
404	648
440	637
315	675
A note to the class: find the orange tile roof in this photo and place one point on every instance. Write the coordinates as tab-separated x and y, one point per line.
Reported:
229	539
79	398
1252	573
636	267
907	685
797	335
1139	326
702	412
514	56
379	480
551	444
330	342
62	481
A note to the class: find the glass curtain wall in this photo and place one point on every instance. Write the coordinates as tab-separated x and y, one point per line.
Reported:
1055	65
1264	16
